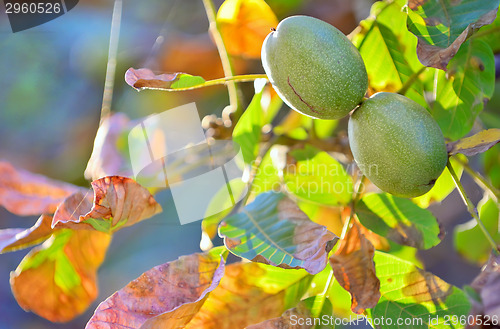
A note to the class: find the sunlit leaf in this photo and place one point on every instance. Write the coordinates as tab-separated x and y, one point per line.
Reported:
399	219
267	176
462	92
384	41
469	238
478	143
443	26
442	188
340	299
145	79
330	217
24	193
13	239
406	253
354	269
299	317
294	125
244	24
317	177
58	280
248	129
118	202
106	158
273	230
221	200
250	293
166	296
418	298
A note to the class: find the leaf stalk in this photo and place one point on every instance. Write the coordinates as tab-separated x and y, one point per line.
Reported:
472	209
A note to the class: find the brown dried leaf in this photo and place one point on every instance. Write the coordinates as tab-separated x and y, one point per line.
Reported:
449	27
118	202
478	143
106	159
487	285
58	280
354	269
167	296
250	293
13	239
24	193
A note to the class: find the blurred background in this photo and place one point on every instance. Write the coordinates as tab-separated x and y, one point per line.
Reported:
51	86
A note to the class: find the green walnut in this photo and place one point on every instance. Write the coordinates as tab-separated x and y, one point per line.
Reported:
397	144
314	68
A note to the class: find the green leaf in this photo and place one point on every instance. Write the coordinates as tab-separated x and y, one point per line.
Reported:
417	298
338	296
491	34
443	26
443	187
273	230
319	308
398	219
387	49
221	200
491	163
469	240
318	177
324	128
267	176
248	129
461	93
406	253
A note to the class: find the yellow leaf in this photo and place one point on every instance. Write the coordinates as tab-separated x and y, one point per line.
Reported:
244	24
478	143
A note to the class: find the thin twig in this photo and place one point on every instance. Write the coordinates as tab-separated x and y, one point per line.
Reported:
472	209
221	81
227	64
354	201
479	179
114	37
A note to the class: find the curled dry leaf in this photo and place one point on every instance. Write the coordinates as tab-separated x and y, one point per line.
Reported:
118	202
244	24
106	158
354	269
250	293
273	230
58	280
146	79
14	238
487	285
442	28
478	143
167	296
24	193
